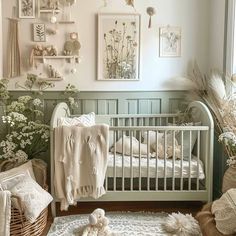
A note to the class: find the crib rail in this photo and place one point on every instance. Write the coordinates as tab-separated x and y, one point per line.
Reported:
155	172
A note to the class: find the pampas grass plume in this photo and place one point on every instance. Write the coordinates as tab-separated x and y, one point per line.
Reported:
217	86
182	225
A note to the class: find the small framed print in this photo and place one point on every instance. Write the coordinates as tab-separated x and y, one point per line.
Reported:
39	34
26	8
170	41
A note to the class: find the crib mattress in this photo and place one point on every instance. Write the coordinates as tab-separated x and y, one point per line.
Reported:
196	171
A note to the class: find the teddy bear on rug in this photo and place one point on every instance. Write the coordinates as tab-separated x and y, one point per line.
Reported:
98	225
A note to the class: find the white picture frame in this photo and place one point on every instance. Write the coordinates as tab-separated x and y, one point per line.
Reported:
170	41
26	9
118	47
39	32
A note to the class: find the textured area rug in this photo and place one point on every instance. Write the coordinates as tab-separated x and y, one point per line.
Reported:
124	223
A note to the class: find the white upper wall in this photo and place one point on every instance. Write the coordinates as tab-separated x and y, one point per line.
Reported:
156	73
217	30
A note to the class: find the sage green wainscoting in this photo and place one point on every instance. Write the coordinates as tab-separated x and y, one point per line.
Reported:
125	102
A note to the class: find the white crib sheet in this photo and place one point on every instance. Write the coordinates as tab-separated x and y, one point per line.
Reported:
152	167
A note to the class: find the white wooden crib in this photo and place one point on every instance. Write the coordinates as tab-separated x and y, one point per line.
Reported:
148	178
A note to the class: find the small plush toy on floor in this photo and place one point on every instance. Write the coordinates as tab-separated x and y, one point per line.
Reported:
98	225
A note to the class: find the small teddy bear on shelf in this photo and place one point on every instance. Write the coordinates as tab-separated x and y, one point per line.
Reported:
98	225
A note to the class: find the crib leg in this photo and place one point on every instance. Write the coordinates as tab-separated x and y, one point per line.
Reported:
53	209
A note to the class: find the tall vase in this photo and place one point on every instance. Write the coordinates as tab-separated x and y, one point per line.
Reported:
229	179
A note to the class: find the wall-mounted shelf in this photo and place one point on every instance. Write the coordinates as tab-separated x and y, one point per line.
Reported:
66	22
56	57
49	11
52	79
61	57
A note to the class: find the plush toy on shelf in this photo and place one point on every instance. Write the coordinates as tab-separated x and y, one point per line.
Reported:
72	46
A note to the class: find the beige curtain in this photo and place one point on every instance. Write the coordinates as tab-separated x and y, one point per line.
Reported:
13	52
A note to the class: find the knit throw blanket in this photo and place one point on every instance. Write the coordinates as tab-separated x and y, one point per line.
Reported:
81	155
5	213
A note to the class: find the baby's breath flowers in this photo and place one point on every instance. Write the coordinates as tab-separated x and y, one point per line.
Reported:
27	135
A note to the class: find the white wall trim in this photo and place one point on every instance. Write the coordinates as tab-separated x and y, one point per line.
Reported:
230	37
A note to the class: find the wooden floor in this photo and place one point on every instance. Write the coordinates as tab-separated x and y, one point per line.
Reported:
169	207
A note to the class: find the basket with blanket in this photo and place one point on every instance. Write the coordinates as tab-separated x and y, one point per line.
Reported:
24	198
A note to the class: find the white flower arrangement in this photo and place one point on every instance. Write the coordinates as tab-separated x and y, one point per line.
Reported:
27	135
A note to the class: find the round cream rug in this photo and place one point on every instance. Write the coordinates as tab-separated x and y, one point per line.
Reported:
121	223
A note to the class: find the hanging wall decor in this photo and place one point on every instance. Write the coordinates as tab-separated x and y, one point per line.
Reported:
13	52
151	12
118	46
130	2
39	34
170	41
26	8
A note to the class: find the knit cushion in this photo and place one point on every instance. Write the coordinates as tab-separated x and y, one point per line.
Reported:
34	198
83	120
224	210
11	177
125	147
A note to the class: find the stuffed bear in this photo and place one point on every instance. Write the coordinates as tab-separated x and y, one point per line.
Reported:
98	224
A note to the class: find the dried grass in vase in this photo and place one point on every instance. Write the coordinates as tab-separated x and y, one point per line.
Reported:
216	91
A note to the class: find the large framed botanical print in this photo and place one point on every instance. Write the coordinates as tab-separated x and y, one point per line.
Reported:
118	47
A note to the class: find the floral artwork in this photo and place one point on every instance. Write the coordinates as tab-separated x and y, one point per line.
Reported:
39	32
26	8
170	41
118	46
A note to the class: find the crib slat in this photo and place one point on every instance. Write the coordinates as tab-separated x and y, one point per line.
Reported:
174	120
166	120
190	157
148	174
157	160
106	183
123	169
153	121
140	167
181	163
114	161
173	161
165	159
198	157
131	161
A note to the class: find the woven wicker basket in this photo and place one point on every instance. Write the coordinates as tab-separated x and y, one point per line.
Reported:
19	225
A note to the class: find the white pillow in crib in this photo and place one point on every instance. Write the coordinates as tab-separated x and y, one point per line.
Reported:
83	120
33	197
152	137
127	149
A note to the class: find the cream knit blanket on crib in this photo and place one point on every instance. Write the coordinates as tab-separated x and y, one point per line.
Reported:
81	155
